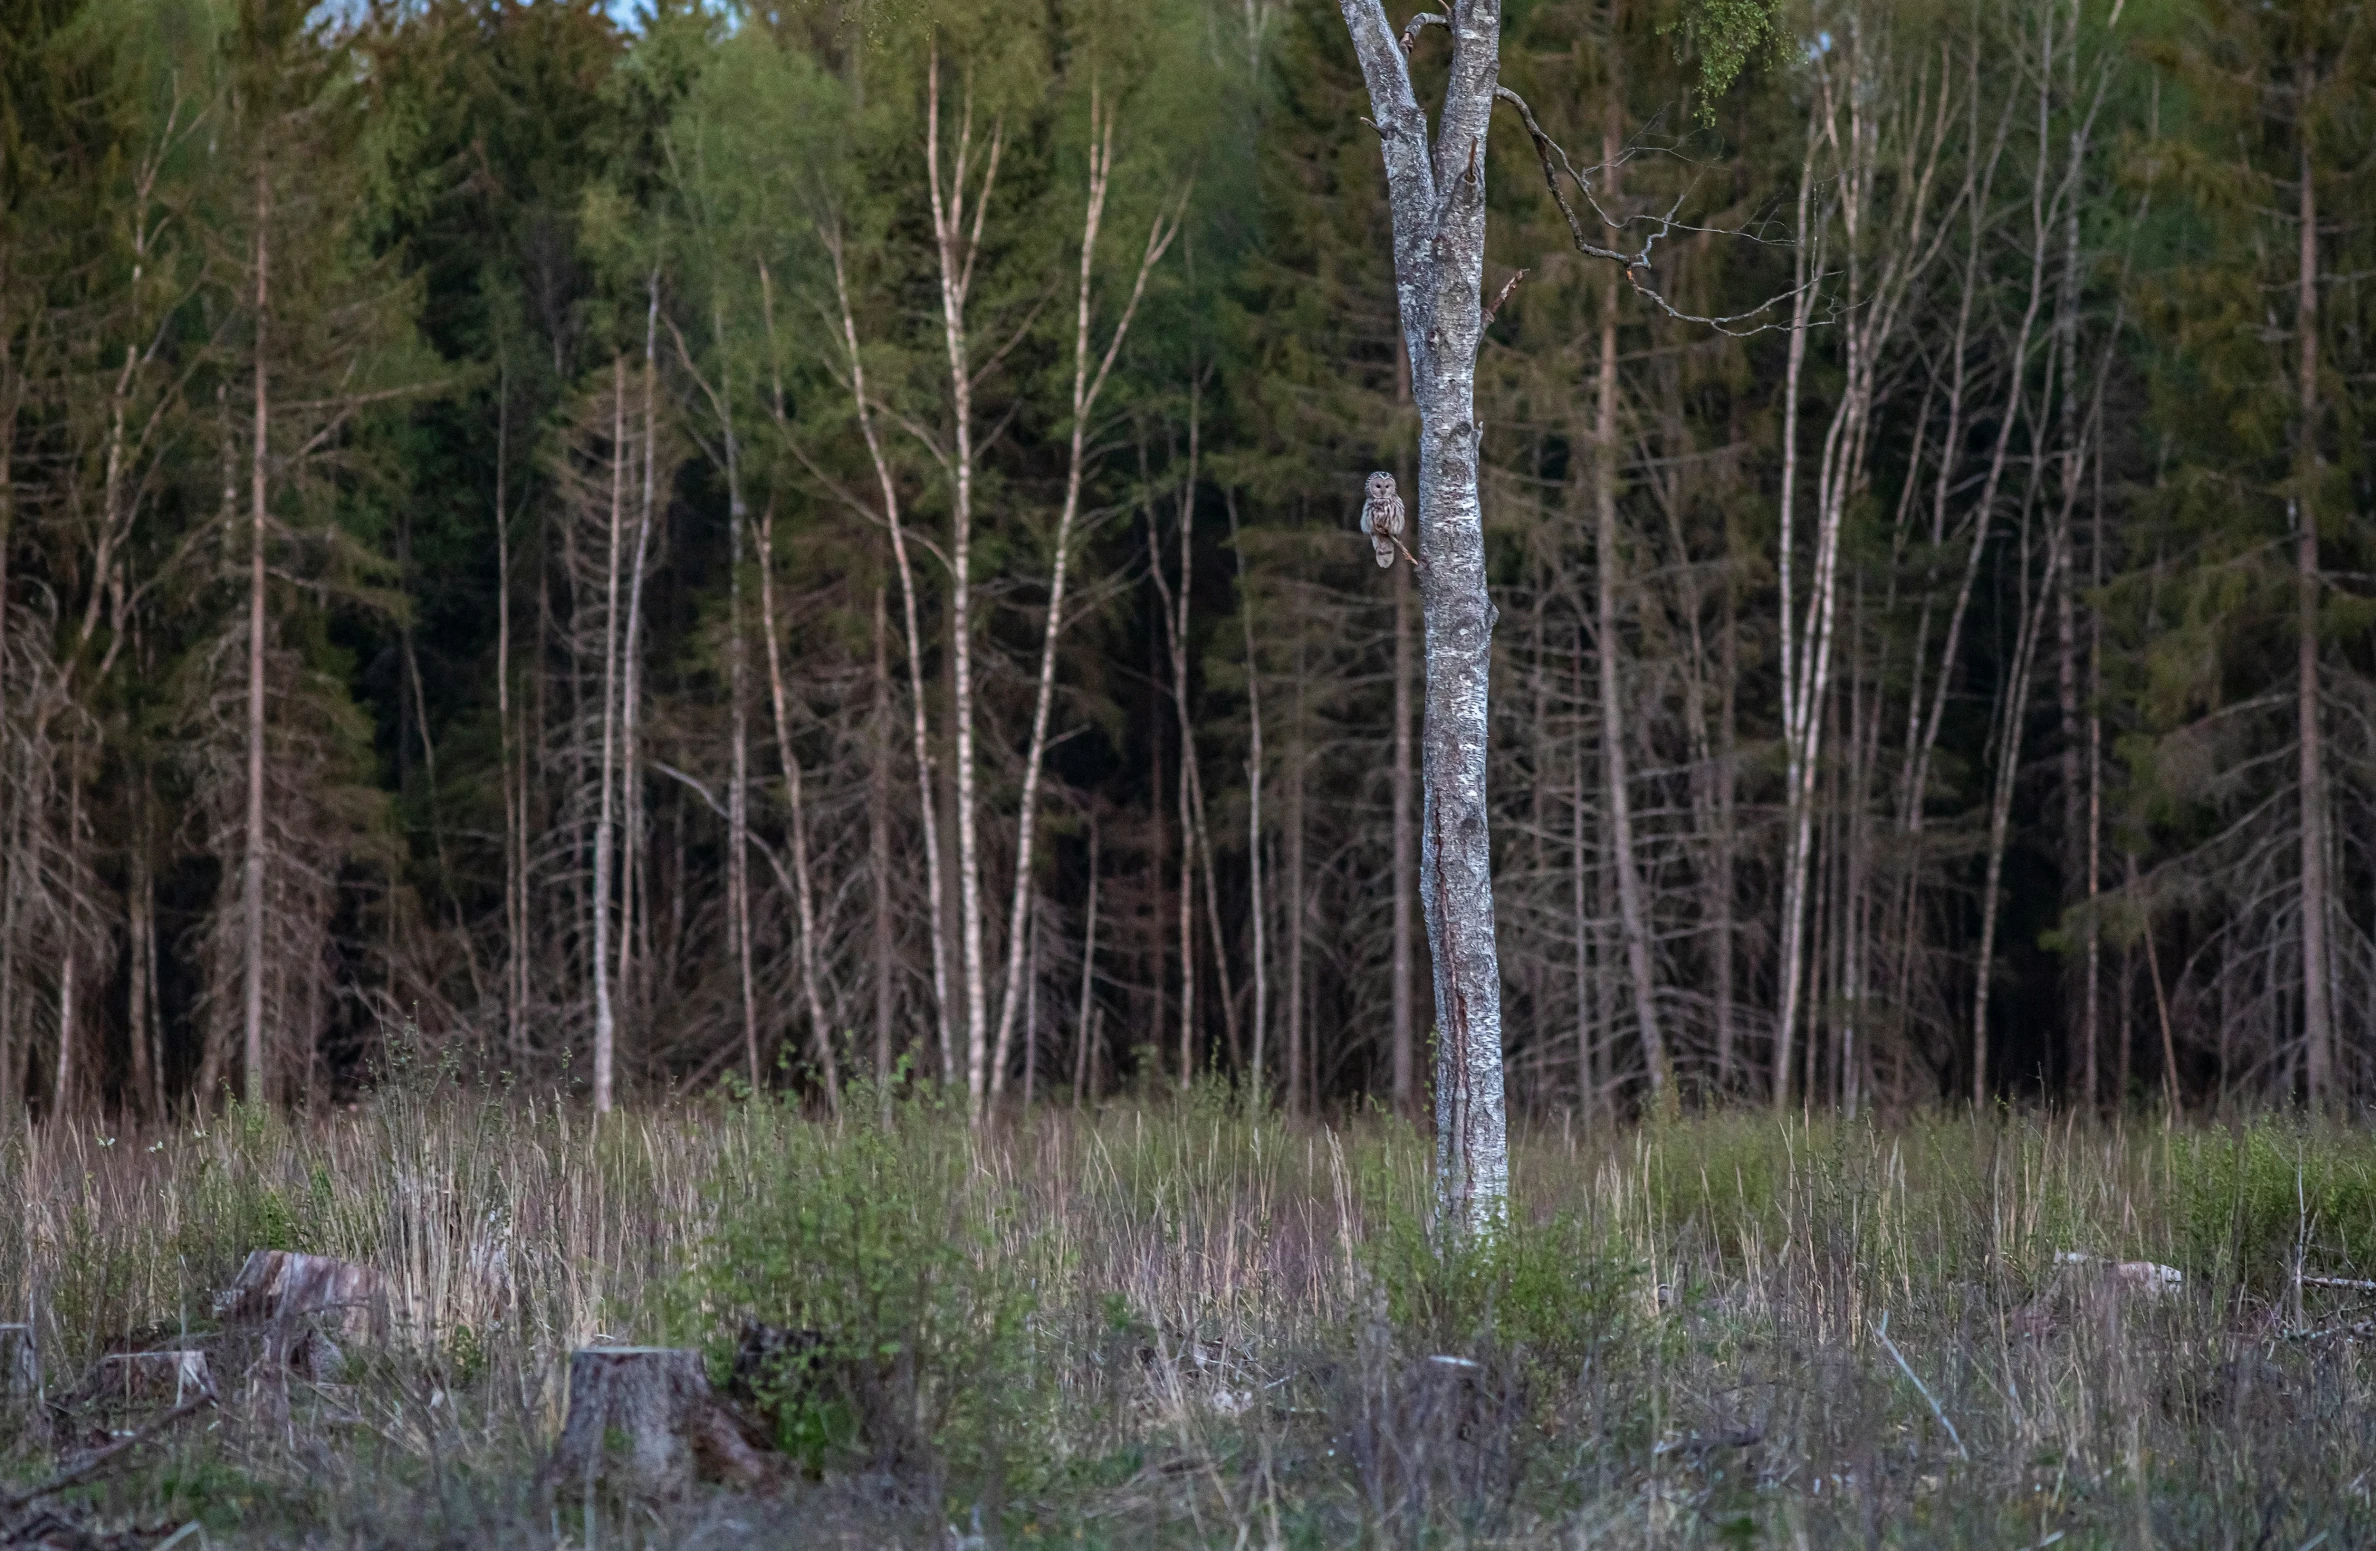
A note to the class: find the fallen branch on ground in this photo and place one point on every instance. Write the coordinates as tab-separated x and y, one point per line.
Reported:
110	1454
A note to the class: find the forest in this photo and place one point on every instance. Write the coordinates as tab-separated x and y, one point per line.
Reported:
818	544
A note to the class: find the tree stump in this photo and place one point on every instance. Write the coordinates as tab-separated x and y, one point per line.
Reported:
644	1421
20	1364
277	1286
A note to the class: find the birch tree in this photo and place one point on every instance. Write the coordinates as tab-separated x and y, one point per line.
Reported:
1437	193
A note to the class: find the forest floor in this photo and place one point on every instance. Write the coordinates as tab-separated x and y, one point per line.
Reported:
1168	1323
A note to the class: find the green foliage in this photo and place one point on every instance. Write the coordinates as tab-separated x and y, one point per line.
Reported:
2246	1202
1725	35
1550	1294
888	1241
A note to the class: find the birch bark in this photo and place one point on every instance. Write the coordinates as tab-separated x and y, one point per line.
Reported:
957	246
1086	386
1437	196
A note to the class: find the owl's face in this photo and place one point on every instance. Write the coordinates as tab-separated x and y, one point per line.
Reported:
1381	485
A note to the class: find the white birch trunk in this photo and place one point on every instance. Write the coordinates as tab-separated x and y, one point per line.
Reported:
1438	201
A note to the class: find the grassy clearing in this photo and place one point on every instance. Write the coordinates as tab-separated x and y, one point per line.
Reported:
1172	1324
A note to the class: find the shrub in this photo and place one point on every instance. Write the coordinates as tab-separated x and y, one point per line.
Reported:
1549	1294
904	1265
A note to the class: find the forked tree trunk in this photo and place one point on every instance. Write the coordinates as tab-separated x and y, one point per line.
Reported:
1086	386
956	247
1438	200
928	809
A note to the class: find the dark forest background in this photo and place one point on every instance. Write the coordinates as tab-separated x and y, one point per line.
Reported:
531	541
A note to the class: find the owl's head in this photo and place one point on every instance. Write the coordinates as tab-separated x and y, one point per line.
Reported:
1380	484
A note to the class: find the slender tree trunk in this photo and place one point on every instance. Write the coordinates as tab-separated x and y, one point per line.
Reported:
803	889
67	1076
515	1032
1159	948
878	846
634	910
2317	1018
1727	837
1631	914
1088	975
957	248
1257	903
928	808
1176	627
605	1026
2095	802
1031	1028
1085	390
1298	757
1797	775
738	792
140	911
1588	1094
252	879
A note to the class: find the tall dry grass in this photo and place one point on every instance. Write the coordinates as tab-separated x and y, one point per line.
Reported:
1230	1330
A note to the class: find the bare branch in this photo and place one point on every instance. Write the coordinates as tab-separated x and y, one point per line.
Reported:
1502	296
1637	264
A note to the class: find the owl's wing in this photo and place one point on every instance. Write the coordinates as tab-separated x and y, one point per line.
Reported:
1394	515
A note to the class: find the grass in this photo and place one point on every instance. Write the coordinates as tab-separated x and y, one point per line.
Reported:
1172	1324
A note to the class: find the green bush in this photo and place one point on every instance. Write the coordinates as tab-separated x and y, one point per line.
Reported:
1549	1294
910	1265
2243	1200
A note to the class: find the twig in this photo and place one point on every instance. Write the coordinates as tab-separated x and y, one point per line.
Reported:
1635	265
1502	296
2346	1283
110	1454
1882	1331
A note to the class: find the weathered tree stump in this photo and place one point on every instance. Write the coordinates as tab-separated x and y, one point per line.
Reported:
644	1421
20	1364
277	1286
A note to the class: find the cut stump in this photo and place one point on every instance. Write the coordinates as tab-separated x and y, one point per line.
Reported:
277	1286
20	1364
643	1420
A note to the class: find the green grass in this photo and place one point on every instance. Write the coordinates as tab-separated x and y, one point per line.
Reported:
1171	1324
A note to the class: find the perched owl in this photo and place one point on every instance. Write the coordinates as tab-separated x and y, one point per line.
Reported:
1382	516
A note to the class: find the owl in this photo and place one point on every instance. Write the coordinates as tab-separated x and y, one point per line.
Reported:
1382	516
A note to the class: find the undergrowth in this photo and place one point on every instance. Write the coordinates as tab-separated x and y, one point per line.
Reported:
1170	1322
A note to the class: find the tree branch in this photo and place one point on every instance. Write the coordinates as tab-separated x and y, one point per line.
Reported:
1637	264
1419	23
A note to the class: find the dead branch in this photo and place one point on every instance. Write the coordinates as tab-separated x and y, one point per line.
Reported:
110	1454
1636	264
